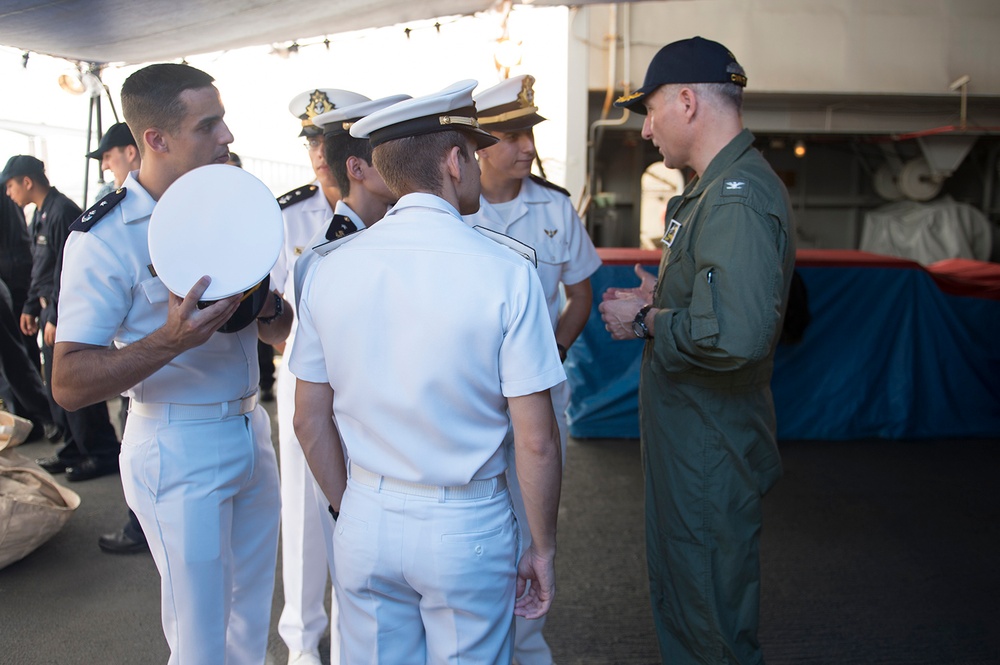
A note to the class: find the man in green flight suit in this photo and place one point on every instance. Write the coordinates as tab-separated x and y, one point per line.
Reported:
711	323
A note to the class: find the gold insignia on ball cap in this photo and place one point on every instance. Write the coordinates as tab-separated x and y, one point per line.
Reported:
628	98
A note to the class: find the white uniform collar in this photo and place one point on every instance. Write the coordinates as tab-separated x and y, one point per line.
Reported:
138	204
424	200
347	211
532	192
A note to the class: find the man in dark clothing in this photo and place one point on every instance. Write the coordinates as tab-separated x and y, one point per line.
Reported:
15	265
20	364
711	322
24	381
91	447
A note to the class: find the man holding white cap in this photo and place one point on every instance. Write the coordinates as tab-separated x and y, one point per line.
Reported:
305	210
198	466
536	212
425	544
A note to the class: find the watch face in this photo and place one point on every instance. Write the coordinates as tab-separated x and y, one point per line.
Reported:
638	329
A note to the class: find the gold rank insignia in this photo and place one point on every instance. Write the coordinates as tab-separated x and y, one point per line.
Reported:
318	103
527	95
628	98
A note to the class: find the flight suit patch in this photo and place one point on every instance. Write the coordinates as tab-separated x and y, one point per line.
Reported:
672	228
735	187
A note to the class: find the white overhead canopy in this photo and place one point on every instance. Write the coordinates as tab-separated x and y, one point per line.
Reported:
137	31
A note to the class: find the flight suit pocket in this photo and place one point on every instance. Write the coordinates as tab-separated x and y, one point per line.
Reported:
704	321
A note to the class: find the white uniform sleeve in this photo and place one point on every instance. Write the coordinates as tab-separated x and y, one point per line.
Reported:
307	360
529	357
96	293
279	273
584	260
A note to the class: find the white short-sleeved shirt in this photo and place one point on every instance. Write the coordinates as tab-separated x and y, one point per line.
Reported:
302	221
111	294
317	247
423	327
545	219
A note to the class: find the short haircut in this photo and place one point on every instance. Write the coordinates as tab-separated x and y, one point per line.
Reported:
151	97
723	96
37	178
337	149
413	163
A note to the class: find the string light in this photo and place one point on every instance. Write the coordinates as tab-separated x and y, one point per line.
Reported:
800	148
284	51
507	53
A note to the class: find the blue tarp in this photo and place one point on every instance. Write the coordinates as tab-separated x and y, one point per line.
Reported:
886	355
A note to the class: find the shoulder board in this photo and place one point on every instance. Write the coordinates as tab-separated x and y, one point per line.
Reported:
340	226
538	180
527	251
328	246
296	195
94	213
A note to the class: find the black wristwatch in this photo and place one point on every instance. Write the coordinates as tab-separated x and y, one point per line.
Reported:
639	325
279	308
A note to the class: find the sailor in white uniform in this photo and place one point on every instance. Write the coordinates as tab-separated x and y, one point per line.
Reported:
197	462
312	523
306	210
412	366
536	212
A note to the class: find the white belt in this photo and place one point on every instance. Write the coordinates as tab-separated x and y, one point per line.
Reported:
217	411
476	489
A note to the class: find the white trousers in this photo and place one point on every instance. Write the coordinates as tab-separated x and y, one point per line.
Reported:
206	495
425	580
303	545
530	647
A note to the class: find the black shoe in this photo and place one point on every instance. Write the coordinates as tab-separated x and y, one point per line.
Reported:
91	467
48	431
54	433
53	464
120	542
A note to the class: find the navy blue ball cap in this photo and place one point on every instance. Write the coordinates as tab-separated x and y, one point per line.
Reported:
19	166
695	60
117	136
